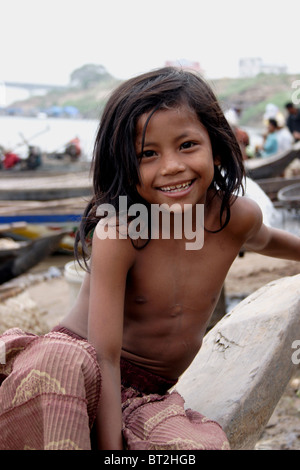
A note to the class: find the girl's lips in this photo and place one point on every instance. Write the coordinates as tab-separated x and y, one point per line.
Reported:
178	190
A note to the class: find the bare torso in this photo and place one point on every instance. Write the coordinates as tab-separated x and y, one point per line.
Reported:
170	296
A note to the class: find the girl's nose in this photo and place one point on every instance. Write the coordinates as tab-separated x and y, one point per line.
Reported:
172	164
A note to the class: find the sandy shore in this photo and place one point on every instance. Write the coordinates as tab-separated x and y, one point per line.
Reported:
47	300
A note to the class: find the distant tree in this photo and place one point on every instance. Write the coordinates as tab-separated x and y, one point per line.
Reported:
88	74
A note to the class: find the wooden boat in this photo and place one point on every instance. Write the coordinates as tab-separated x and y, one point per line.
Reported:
38	163
48	169
289	196
60	210
271	186
246	362
46	187
270	167
33	232
29	220
10	248
14	262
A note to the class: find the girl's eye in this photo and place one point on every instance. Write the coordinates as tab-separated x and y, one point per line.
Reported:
187	145
147	154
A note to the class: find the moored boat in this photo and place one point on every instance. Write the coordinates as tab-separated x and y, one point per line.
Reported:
270	167
46	187
18	260
29	220
290	196
271	186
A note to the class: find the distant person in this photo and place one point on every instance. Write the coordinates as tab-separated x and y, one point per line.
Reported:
34	159
270	146
73	149
232	116
284	137
10	160
272	112
293	120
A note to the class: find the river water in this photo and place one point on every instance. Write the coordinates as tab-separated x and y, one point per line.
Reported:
50	134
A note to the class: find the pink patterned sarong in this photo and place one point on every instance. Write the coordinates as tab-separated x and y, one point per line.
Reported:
49	393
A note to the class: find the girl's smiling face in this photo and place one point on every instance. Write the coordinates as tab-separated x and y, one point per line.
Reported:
176	162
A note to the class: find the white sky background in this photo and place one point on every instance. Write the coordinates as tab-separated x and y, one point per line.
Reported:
43	41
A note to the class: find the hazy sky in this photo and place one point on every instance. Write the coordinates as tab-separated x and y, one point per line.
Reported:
43	41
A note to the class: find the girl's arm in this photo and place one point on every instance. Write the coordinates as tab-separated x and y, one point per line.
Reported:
111	261
270	241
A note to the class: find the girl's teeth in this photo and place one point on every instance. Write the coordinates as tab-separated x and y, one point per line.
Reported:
178	187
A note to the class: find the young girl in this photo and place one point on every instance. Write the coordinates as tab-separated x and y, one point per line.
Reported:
146	300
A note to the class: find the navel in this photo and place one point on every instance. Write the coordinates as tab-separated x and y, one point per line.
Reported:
176	310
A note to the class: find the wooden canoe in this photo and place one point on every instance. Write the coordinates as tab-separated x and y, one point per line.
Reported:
34	219
31	253
271	186
290	196
246	362
45	188
11	249
270	167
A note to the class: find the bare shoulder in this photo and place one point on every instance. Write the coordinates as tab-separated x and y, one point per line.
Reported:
111	247
246	217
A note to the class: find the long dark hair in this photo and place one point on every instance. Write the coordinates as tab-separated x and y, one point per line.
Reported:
115	163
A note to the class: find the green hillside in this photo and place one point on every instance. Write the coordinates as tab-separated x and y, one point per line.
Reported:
253	94
90	94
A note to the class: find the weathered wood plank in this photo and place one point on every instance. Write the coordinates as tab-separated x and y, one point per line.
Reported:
245	362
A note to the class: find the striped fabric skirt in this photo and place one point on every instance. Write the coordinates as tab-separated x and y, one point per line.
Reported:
49	392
